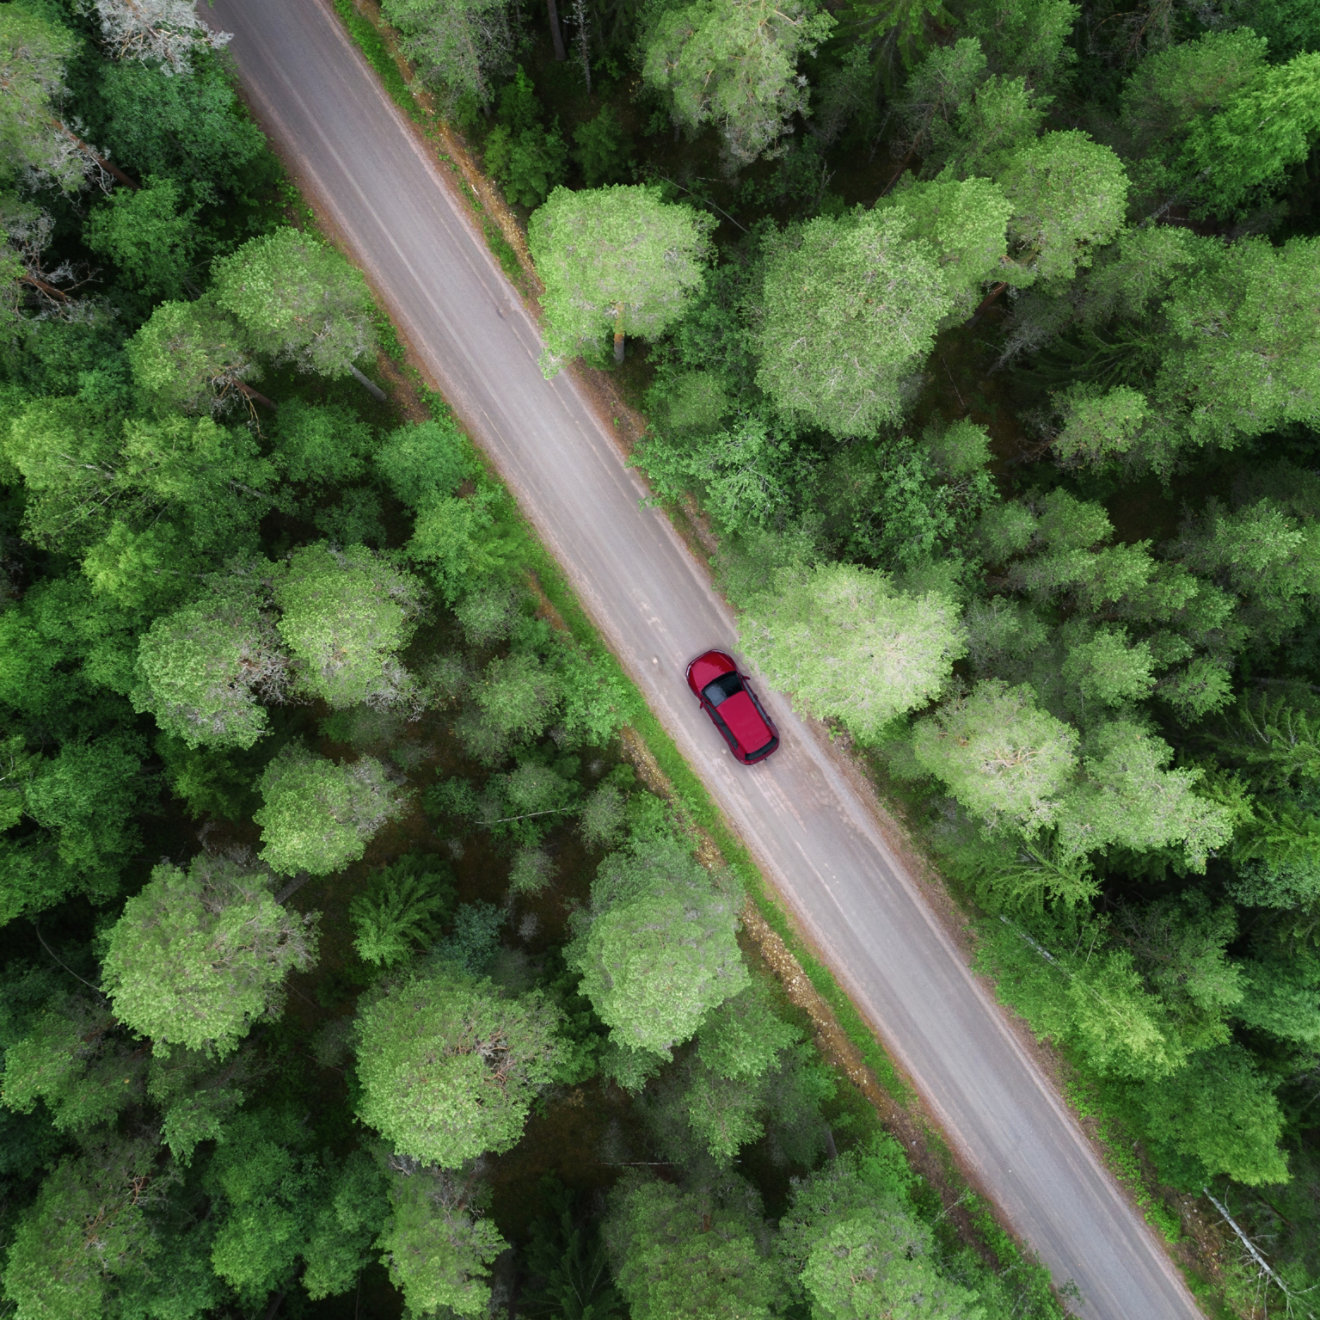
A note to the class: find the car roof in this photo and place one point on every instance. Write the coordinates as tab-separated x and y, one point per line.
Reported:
745	721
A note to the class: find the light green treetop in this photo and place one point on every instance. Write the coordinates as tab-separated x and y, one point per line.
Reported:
449	1067
1069	195
198	956
615	261
851	646
297	300
204	669
1130	800
33	54
851	309
660	950
437	1250
346	614
733	63
1002	756
317	814
680	1255
462	46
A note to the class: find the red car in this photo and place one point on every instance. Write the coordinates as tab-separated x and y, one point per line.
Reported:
732	706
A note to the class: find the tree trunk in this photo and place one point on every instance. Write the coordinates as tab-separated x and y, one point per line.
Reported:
987	300
369	385
556	35
248	392
99	159
618	334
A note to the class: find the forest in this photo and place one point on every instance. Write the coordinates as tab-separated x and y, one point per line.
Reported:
349	966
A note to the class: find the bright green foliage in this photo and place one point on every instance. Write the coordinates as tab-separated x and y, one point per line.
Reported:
1000	117
212	473
966	221
1283	997
939	87
191	357
203	669
1098	425
1270	124
70	1059
263	1190
463	46
33	54
297	300
449	1067
87	796
1107	668
864	1267
1218	1116
1096	1004
1241	354
1005	759
1069	195
1025	38
346	616
149	234
1183	82
351	1210
733	64
66	456
1131	800
404	904
144	571
424	460
88	1226
320	445
437	1251
196	1096
737	1073
744	471
681	1255
459	541
660	949
192	129
197	957
318	815
617	260
513	701
850	646
851	309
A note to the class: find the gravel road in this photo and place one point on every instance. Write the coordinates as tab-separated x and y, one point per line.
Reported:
811	831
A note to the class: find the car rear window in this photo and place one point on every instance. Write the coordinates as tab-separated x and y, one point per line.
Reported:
722	688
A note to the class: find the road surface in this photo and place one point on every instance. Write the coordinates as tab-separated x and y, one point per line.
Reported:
814	836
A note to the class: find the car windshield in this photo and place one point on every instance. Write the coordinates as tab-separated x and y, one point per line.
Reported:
722	688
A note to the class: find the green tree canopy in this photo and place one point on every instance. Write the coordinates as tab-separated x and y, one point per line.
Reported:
297	300
617	260
449	1067
346	614
999	754
463	47
680	1255
437	1250
659	951
851	309
851	646
198	956
318	815
204	669
1069	195
192	357
33	54
733	63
